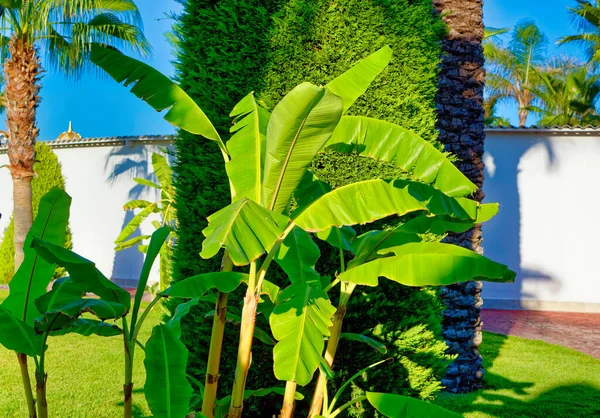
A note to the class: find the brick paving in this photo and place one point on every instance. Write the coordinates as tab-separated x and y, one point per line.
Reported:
580	331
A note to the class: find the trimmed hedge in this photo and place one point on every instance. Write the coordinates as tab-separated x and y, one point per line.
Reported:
48	175
231	47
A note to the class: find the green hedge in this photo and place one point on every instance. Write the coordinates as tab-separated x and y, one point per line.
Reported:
48	175
228	48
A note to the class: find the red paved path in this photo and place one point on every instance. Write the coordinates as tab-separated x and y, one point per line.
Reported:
580	331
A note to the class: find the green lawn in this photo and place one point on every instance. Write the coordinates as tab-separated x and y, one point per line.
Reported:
85	377
528	378
524	379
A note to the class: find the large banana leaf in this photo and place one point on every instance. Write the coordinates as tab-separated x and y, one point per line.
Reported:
163	171
299	322
167	389
32	278
182	310
247	148
101	309
443	224
135	222
428	264
197	286
354	82
18	336
64	290
398	406
299	126
386	141
158	90
245	229
83	272
156	243
370	200
368	244
87	327
298	256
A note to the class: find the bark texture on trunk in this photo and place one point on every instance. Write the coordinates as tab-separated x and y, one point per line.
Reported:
21	77
460	123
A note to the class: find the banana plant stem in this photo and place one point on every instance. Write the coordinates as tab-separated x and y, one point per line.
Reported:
216	344
42	404
128	385
287	411
27	384
245	346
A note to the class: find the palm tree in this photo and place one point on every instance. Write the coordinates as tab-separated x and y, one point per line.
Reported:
511	69
586	17
568	99
460	97
62	31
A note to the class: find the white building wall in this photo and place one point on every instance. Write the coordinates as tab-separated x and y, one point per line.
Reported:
100	180
548	226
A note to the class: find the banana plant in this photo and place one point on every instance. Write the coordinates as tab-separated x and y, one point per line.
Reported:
267	161
165	207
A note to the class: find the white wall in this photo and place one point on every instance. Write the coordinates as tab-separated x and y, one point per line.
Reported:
548	226
100	181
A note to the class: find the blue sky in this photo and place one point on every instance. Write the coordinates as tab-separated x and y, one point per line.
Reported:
99	107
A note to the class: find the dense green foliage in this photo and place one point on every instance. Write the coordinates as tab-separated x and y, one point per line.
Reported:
48	175
269	47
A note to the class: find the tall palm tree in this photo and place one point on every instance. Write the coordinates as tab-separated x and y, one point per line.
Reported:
61	32
586	17
460	98
511	69
568	99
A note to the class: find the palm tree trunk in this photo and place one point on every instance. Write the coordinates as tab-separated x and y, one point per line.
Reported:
461	126
22	72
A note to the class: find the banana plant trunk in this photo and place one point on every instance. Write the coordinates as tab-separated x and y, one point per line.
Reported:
21	77
459	101
22	358
287	410
42	403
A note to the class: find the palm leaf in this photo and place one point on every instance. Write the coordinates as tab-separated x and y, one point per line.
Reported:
158	91
135	222
299	322
299	126
386	141
163	170
247	148
243	228
428	264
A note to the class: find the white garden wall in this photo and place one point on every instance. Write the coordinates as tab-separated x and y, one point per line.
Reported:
547	183
99	177
546	180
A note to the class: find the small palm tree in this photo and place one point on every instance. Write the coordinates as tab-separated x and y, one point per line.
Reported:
586	17
568	99
61	31
511	69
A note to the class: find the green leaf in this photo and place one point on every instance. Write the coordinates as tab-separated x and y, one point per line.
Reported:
440	225
135	222
247	148
156	243
182	310
386	141
368	244
222	405
87	327
398	406
146	182
18	336
63	291
299	126
136	204
131	242
309	190
259	333
354	82
163	171
377	345
299	322
338	237
83	272
32	278
11	4
428	264
298	256
167	389
197	286
245	229
158	90
99	308
370	200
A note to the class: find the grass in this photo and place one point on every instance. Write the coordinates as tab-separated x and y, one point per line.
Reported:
85	377
524	379
531	379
